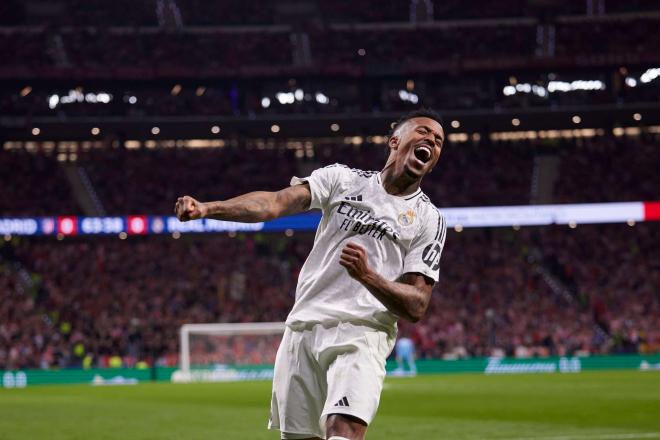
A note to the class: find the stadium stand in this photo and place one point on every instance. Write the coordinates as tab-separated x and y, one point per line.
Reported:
164	174
242	13
33	184
487	173
609	169
106	297
527	292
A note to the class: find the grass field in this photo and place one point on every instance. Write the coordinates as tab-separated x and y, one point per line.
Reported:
599	405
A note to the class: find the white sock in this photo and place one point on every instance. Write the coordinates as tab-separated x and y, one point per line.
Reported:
336	437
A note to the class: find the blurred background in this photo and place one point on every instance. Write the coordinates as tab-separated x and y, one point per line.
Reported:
113	109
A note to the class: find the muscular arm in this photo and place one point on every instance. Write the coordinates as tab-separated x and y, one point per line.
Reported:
252	207
408	297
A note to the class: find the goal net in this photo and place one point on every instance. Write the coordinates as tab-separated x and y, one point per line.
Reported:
228	351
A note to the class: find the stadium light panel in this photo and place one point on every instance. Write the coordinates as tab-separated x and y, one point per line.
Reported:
650	75
405	95
321	98
553	87
53	100
285	97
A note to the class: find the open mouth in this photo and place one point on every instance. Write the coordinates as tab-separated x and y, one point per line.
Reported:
423	153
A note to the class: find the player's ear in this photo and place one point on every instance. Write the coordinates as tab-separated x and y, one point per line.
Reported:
393	142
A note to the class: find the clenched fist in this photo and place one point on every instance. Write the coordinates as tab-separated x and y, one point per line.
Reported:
354	258
187	208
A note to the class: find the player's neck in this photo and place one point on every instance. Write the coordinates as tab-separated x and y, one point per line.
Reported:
398	184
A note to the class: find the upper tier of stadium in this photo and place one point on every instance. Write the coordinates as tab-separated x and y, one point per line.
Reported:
121	181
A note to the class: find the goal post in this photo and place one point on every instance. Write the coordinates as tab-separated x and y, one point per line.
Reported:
243	341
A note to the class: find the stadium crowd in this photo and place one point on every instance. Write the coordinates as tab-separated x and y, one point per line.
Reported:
109	297
208	174
498	176
609	169
487	173
34	185
89	300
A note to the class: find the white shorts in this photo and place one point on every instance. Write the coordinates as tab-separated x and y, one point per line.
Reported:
322	371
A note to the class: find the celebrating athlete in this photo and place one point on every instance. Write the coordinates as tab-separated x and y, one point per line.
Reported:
375	259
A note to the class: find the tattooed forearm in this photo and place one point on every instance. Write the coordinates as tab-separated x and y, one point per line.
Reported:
261	206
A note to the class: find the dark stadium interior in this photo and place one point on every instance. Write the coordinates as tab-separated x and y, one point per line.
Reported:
543	102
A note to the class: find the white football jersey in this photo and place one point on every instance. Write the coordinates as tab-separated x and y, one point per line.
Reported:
400	235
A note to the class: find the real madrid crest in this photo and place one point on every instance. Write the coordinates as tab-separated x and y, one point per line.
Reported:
407	218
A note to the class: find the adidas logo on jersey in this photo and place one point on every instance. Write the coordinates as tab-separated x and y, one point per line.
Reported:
342	402
355	198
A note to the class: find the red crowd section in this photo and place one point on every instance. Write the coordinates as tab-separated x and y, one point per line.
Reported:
82	301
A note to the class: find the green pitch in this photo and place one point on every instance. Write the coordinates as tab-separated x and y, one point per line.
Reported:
585	406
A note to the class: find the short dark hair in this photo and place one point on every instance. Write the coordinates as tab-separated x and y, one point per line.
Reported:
423	112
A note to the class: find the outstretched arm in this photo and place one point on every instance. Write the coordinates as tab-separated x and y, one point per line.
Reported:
407	297
252	207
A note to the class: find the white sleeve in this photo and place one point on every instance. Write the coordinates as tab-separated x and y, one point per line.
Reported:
322	182
426	248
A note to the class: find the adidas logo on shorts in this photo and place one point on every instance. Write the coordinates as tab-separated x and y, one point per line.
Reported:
354	198
342	402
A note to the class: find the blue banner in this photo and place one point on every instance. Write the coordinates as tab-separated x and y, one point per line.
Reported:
143	224
458	218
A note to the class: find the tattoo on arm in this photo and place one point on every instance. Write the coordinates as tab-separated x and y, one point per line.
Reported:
262	206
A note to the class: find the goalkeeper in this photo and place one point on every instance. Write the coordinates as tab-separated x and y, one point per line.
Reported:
375	259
